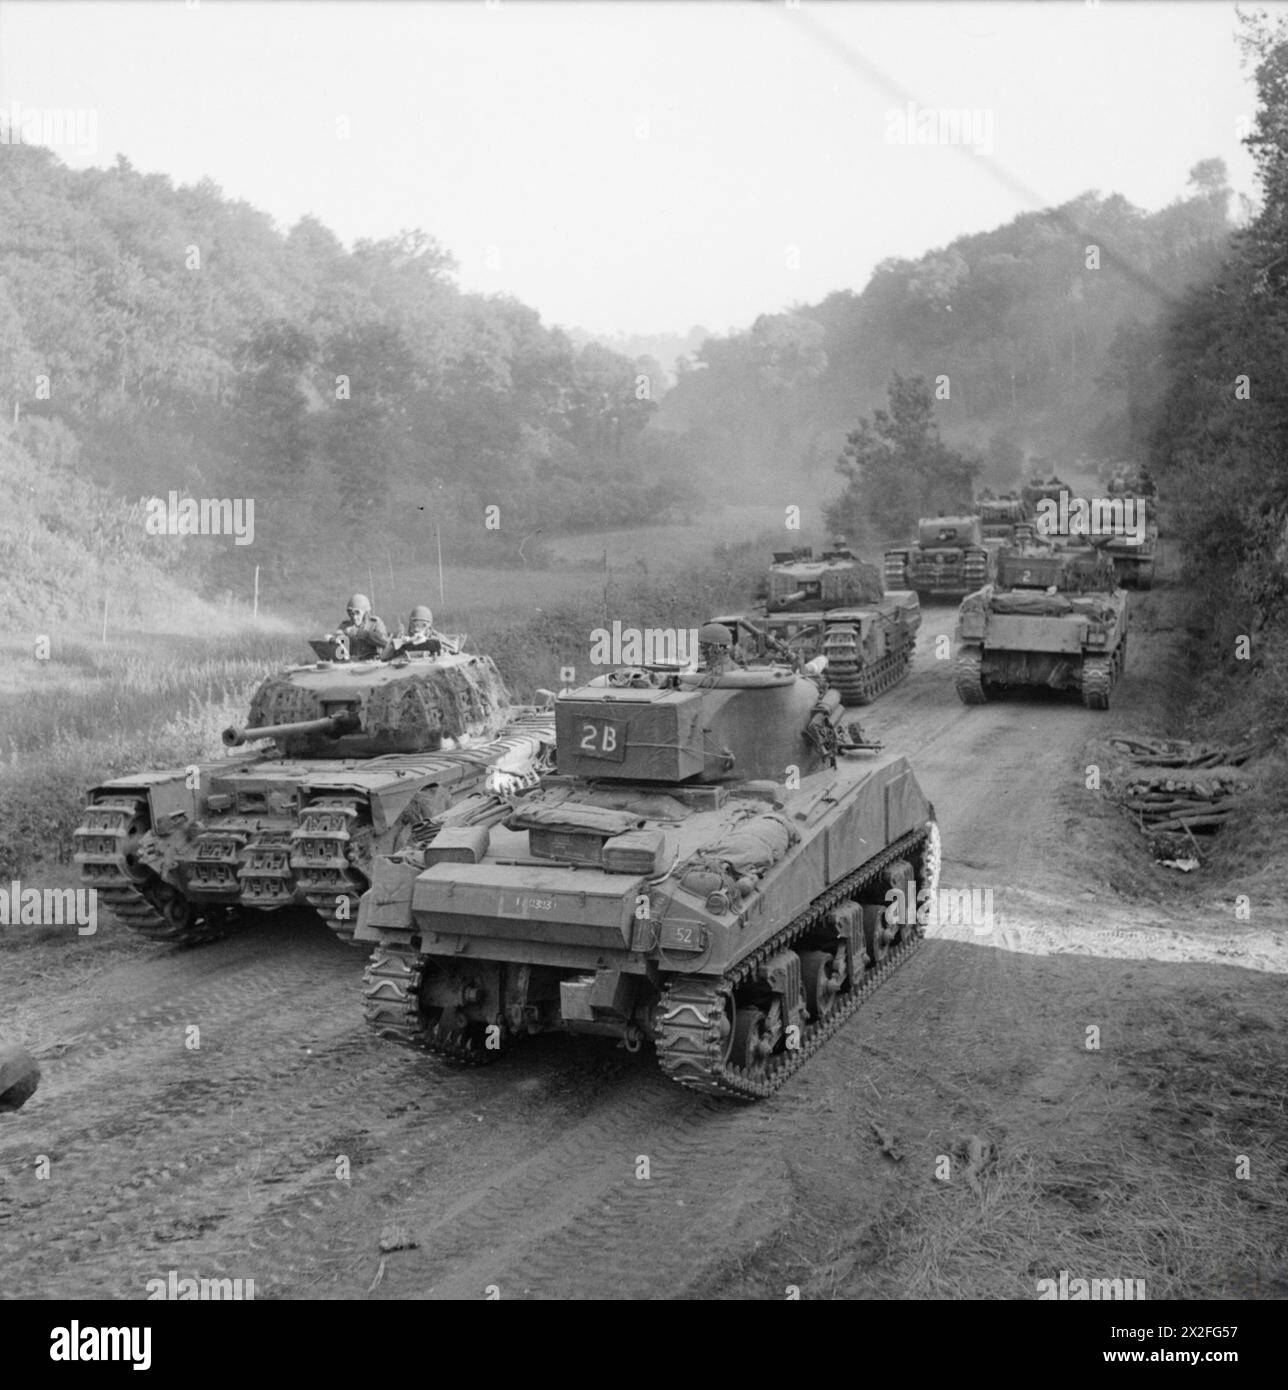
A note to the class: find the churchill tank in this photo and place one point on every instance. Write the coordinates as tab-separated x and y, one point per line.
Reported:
833	605
713	870
338	761
948	556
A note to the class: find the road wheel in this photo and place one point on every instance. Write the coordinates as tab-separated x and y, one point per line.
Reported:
822	979
752	1039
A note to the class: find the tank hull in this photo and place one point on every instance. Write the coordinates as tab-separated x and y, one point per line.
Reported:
1010	640
280	833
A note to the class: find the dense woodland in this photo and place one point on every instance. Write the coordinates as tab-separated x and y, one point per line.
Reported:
1220	429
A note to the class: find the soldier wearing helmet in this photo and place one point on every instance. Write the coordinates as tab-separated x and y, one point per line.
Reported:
715	648
366	635
420	636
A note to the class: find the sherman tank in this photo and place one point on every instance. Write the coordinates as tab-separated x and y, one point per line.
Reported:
1054	618
835	606
715	869
1134	548
338	761
1134	553
948	558
1129	480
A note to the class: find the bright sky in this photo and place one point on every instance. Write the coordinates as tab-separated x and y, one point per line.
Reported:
644	167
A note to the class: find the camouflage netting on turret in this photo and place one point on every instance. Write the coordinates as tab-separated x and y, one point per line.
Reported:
456	700
440	701
843	585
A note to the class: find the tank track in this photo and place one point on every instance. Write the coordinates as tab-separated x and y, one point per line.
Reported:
134	896
689	1040
1100	674
969	677
859	684
894	574
393	978
975	569
320	859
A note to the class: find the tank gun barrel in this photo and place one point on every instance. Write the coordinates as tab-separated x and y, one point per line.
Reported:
234	737
784	599
767	637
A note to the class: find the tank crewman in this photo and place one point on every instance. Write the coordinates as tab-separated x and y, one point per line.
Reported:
366	634
420	636
715	648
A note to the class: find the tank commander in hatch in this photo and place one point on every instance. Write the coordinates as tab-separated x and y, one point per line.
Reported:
715	649
366	635
421	636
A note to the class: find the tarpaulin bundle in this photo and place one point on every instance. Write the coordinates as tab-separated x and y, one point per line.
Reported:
574	816
1034	603
755	844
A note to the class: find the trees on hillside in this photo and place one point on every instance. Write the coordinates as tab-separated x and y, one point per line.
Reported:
1021	317
190	345
1221	444
897	468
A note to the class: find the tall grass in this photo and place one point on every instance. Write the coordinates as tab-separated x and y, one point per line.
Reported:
94	711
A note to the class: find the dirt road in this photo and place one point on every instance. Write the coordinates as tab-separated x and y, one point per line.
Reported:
1073	1090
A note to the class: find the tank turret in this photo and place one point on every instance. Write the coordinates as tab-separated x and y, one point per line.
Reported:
405	706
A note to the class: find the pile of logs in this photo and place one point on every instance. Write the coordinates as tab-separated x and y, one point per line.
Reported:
1176	789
